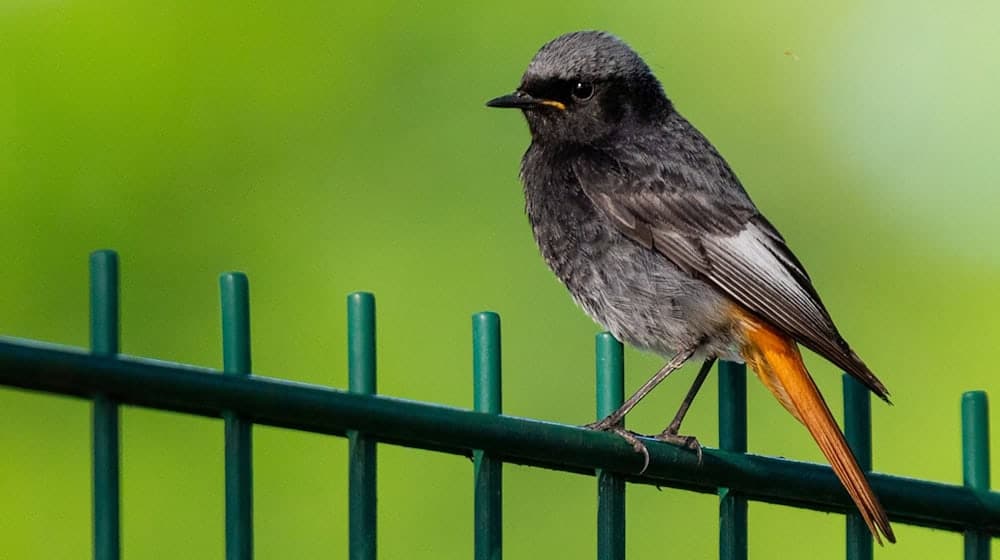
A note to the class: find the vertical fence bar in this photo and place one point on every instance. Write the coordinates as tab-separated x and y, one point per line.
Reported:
361	379
610	486
858	432
732	437
104	341
235	294
976	463
486	366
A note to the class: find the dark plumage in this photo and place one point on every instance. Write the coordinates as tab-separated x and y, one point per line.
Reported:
623	167
654	236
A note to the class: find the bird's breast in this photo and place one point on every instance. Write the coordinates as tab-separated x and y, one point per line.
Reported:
569	233
632	291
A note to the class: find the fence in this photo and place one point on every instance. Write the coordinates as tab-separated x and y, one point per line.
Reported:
492	439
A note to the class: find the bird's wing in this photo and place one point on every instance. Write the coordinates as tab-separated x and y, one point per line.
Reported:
721	237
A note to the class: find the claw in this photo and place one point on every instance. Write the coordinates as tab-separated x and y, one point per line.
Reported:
687	442
637	445
614	427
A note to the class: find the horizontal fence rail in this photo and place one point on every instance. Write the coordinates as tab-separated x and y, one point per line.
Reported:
491	438
313	408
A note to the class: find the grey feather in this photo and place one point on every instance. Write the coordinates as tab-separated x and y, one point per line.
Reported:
705	223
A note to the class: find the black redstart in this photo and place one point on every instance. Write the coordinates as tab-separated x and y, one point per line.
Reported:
651	231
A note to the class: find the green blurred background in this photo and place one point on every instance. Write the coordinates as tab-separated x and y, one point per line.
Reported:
325	148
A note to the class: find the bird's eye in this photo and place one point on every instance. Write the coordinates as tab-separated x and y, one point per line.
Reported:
583	91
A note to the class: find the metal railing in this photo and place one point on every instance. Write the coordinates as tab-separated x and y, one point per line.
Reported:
110	379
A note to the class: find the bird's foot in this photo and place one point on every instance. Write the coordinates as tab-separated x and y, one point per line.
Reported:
607	424
614	426
687	442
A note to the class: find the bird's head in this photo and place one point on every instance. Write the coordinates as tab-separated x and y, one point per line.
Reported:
585	86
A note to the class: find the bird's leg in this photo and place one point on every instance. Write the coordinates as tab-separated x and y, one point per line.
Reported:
615	418
669	434
613	422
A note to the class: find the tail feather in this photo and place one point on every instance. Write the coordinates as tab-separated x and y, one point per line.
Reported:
777	361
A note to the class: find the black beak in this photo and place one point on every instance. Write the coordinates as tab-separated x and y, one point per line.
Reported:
522	100
516	100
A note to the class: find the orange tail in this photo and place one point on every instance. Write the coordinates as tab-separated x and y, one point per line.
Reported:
776	360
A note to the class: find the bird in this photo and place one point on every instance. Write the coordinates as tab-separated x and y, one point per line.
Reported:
656	239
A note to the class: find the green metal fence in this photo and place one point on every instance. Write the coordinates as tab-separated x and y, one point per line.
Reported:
490	438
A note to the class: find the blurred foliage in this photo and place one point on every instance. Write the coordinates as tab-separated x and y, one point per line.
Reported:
327	147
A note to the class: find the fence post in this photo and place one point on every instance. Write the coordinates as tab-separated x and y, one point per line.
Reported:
732	437
488	484
104	341
858	433
976	463
235	295
362	452
610	486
